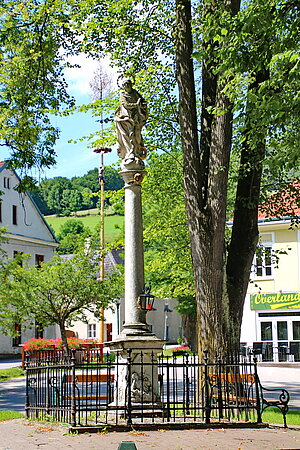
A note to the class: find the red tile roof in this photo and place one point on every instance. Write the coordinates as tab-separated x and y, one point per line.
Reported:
285	203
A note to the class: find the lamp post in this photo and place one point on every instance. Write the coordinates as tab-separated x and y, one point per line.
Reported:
101	151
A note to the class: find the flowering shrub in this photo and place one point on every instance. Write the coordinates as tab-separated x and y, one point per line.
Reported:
175	349
38	344
50	344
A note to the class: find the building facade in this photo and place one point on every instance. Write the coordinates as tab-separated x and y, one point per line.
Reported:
26	233
271	320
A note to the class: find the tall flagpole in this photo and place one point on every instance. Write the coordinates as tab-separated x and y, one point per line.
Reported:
102	151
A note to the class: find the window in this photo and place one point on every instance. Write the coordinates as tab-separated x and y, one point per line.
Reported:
266	331
91	330
263	261
296	330
39	259
14	214
282	331
17	339
6	183
0	211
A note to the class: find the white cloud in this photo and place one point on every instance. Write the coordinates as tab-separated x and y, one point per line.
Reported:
78	78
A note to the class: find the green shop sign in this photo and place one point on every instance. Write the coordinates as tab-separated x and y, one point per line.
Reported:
288	300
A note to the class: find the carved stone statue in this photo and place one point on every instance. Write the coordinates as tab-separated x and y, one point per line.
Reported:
130	117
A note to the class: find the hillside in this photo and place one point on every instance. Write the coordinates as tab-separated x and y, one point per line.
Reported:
112	224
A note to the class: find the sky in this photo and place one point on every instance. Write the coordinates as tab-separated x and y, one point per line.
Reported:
76	159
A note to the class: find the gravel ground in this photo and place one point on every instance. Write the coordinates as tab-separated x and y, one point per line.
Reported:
18	434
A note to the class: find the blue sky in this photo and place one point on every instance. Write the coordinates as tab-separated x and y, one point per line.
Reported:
77	159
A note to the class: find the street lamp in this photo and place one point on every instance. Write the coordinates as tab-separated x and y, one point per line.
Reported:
101	151
146	300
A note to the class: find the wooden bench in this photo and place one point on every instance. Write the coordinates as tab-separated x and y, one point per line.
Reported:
87	387
239	389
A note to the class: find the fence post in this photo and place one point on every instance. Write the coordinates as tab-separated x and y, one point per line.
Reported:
73	390
219	382
206	389
129	404
26	364
258	410
47	387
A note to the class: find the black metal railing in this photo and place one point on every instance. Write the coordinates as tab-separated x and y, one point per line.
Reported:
139	387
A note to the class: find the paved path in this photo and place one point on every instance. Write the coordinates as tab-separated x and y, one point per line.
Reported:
20	435
282	377
8	363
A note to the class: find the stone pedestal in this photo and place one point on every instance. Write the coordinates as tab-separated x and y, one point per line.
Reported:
137	383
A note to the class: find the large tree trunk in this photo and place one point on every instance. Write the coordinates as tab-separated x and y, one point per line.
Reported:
205	183
244	236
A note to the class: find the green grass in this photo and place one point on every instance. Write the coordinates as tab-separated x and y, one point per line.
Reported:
112	224
8	415
273	415
14	372
270	415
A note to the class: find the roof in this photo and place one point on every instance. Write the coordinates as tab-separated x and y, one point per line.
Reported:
111	259
282	204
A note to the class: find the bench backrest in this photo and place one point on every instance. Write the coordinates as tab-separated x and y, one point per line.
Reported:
90	377
232	377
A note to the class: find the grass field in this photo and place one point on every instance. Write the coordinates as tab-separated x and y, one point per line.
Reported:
8	415
90	218
14	372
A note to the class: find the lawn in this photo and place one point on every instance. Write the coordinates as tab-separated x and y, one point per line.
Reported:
273	415
14	372
90	218
8	415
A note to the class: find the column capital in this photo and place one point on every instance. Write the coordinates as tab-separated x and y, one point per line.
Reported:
132	177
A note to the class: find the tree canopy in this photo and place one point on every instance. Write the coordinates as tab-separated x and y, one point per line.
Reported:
61	195
35	41
58	292
221	81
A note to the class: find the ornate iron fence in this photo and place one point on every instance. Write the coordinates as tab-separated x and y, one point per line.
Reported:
141	388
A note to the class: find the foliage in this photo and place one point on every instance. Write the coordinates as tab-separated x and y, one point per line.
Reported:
72	236
62	196
59	292
35	38
245	69
167	245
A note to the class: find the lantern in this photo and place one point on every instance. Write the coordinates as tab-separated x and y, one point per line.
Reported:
146	300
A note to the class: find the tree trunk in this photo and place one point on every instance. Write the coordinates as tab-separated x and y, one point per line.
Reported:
205	183
64	339
189	326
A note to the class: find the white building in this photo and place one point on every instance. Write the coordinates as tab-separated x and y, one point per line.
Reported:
26	232
164	320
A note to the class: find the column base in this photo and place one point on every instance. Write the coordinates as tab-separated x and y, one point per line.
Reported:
136	371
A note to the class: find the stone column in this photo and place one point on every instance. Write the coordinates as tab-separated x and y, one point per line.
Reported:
135	318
